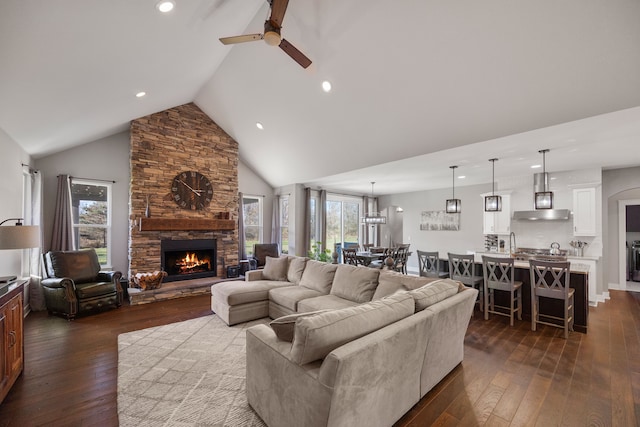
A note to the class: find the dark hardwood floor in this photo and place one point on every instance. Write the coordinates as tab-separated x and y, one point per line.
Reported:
510	376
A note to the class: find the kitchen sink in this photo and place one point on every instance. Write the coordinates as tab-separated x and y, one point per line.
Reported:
525	254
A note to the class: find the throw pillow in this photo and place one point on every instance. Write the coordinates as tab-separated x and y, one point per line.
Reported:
318	276
356	284
284	326
391	281
318	335
434	292
296	268
276	269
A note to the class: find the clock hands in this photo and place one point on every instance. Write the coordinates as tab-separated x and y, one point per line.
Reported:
197	192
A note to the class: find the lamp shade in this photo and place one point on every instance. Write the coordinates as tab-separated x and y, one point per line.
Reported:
19	237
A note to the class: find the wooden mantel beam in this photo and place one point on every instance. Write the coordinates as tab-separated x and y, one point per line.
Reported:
185	224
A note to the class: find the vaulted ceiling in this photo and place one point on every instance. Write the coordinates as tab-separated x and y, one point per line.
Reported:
418	85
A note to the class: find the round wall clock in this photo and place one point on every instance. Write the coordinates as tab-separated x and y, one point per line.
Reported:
191	190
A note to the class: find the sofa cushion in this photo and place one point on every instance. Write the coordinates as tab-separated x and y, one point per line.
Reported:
95	289
318	276
289	296
434	292
276	268
296	268
355	283
317	335
391	281
284	326
240	292
324	302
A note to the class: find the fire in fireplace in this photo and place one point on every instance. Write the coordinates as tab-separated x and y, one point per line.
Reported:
188	259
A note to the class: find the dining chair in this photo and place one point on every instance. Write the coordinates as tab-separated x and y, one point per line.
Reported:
384	254
349	256
499	276
550	279
429	264
462	269
400	256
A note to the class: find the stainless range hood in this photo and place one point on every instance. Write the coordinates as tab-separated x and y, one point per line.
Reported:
540	182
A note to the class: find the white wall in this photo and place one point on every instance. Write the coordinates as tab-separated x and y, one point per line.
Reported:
106	158
250	183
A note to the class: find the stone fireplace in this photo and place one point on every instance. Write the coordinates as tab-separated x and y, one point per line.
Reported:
163	146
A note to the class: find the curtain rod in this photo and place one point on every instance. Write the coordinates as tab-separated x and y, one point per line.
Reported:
91	179
31	170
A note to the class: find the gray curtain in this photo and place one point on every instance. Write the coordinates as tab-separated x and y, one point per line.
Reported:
242	250
62	237
275	222
307	221
323	219
36	296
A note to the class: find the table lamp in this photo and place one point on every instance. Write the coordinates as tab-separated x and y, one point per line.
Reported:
18	237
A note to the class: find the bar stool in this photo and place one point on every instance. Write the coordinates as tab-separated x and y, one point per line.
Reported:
461	268
499	275
430	265
551	280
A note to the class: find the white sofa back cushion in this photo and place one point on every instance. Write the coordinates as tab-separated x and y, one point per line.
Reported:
356	284
275	268
434	292
318	335
296	268
318	276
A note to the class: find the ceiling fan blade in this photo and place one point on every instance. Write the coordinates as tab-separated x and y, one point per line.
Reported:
295	54
241	39
278	8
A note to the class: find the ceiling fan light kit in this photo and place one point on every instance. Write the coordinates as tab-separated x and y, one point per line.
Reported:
493	203
544	199
453	205
271	35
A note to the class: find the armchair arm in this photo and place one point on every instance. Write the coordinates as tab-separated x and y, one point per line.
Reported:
109	276
59	282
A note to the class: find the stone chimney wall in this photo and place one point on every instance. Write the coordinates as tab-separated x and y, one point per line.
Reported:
163	145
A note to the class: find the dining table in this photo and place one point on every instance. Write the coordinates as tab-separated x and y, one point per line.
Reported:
367	257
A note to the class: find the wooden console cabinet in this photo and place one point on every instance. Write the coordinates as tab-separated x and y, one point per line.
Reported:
11	342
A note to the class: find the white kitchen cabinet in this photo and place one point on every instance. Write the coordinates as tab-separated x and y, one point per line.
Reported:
498	222
593	269
584	212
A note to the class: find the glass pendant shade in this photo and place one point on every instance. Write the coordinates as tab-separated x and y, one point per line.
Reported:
453	205
543	199
493	203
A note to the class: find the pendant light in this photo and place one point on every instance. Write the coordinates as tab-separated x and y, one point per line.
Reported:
453	204
544	199
493	203
374	218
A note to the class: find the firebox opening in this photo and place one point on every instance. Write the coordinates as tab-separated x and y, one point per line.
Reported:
188	259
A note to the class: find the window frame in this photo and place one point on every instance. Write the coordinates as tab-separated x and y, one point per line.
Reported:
108	226
260	225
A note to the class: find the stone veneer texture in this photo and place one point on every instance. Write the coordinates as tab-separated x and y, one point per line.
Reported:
163	145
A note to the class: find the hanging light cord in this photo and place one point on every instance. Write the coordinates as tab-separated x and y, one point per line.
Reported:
453	181
493	176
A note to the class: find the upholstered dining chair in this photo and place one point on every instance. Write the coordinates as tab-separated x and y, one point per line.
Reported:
462	269
550	279
429	264
499	276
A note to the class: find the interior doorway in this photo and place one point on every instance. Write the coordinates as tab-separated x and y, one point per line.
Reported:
624	250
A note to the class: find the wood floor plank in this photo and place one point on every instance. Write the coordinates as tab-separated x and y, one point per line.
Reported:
511	376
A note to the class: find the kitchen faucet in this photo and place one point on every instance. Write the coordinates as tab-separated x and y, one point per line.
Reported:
512	247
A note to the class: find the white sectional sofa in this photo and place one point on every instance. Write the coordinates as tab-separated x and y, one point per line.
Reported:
349	345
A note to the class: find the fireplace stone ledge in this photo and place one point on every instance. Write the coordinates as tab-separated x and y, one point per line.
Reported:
179	289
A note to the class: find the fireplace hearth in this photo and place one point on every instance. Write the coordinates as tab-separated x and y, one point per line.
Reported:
188	259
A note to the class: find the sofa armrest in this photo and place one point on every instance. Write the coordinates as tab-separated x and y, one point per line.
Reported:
109	276
253	275
59	282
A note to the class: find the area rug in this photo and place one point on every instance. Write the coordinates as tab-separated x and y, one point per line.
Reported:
189	373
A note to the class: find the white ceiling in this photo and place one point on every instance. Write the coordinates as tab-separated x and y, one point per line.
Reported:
419	85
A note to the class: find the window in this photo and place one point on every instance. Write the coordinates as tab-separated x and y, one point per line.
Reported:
343	220
284	224
91	207
252	213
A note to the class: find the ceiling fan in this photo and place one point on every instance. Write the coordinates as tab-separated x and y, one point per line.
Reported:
271	36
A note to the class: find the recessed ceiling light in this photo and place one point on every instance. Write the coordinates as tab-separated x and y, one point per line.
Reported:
259	125
536	166
165	6
326	86
462	177
140	94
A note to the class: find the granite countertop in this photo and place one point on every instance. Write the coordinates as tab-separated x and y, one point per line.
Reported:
575	267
